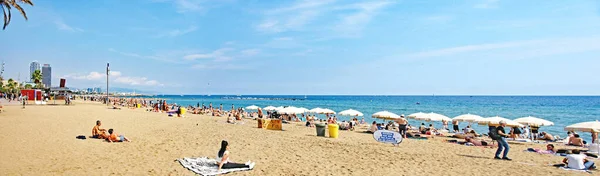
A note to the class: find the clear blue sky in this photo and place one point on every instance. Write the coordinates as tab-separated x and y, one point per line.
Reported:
474	47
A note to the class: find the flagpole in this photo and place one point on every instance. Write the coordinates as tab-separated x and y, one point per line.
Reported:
107	70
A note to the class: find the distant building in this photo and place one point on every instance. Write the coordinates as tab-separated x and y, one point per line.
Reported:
32	68
97	90
47	75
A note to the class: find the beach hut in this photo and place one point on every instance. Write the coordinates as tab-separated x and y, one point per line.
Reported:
534	121
351	112
467	118
385	115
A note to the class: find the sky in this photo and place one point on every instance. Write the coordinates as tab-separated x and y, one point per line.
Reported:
327	47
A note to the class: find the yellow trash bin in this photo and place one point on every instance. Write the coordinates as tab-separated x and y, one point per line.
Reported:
333	130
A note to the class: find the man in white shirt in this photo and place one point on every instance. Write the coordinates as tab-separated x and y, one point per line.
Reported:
578	161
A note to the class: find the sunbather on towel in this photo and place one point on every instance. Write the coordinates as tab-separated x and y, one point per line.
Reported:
549	150
114	137
223	159
479	142
97	132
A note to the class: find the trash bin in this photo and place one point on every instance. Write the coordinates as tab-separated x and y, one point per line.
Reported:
333	130
260	123
320	129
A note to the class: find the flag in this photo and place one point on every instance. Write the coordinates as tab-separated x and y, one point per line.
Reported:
107	68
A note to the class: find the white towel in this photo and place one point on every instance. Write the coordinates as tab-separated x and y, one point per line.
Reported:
205	166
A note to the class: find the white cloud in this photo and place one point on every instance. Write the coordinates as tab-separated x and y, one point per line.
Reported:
156	57
250	52
218	67
352	24
61	25
177	32
487	4
219	55
519	49
117	77
293	17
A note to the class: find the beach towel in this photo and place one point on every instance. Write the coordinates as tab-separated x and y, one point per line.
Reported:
205	166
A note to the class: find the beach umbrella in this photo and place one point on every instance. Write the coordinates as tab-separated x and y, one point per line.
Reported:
533	121
279	108
351	112
593	126
385	115
253	107
326	111
290	110
415	115
315	110
270	108
437	117
495	121
467	118
304	110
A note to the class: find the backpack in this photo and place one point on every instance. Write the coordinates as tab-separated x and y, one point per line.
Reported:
494	134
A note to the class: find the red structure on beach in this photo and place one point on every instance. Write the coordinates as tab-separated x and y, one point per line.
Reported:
32	94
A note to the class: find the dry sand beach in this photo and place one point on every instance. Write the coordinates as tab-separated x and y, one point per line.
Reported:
40	140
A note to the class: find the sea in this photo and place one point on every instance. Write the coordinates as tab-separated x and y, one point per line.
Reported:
562	110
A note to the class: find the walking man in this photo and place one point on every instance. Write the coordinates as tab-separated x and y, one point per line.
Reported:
502	144
402	122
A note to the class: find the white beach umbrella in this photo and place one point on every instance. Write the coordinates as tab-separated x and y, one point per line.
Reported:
351	112
495	121
304	110
593	126
253	107
467	118
315	110
415	115
533	121
386	115
326	111
279	108
270	108
290	110
437	117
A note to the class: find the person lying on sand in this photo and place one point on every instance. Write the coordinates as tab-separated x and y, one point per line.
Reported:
546	137
223	159
114	137
479	142
97	132
549	150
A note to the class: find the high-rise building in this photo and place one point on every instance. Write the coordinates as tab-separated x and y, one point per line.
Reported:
32	68
47	75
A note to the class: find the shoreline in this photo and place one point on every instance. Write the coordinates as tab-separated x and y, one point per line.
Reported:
43	137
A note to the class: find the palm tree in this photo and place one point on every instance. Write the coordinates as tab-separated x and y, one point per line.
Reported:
37	78
28	86
11	85
6	6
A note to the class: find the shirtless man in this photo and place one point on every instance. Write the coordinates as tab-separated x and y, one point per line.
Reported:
547	137
455	126
260	113
114	137
594	136
97	132
576	141
402	122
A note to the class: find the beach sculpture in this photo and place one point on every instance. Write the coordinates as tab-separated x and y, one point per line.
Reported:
386	136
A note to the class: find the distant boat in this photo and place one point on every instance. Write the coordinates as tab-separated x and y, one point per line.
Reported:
304	96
